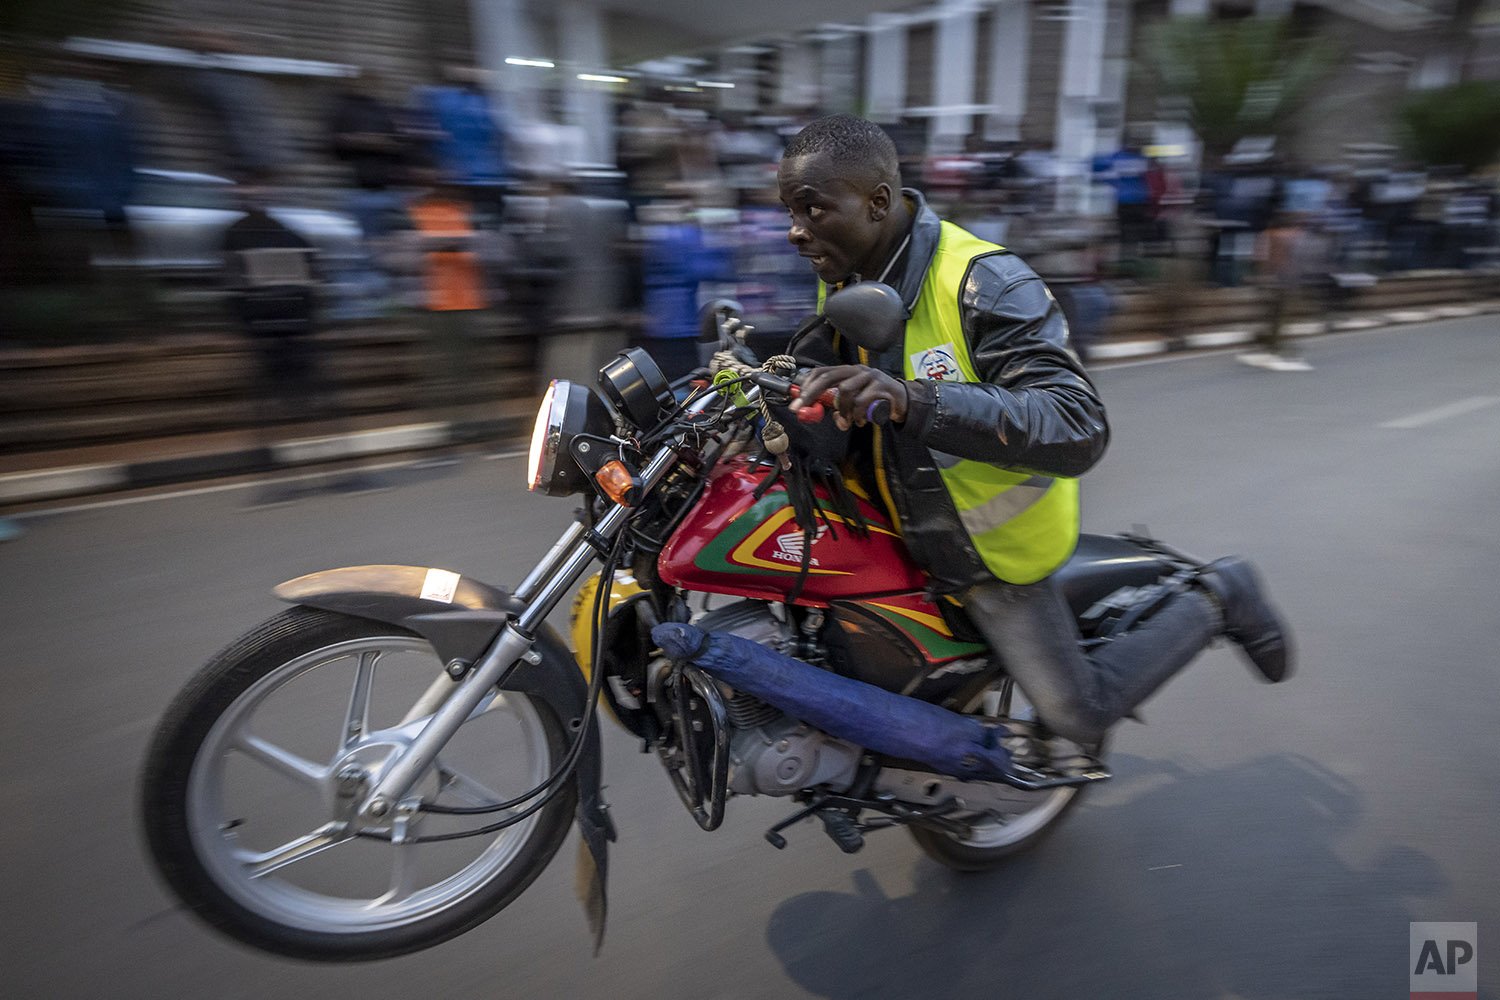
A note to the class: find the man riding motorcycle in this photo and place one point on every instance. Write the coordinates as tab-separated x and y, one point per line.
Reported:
992	418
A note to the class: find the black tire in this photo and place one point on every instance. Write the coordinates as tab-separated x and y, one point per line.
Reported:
946	849
167	811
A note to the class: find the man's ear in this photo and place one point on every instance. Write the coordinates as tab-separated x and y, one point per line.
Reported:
880	202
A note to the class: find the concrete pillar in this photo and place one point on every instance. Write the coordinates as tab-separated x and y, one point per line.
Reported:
738	67
839	74
953	74
1010	50
503	29
1081	77
588	106
1110	104
885	67
797	75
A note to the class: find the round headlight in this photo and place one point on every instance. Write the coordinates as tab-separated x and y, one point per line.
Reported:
567	410
538	462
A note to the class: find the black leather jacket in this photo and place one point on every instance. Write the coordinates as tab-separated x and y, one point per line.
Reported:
1033	410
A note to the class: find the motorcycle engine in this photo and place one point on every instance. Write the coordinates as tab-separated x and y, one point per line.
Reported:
771	753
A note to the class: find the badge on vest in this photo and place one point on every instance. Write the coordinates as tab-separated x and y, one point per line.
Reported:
937	363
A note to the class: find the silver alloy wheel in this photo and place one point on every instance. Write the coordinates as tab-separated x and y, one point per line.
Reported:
264	881
988	830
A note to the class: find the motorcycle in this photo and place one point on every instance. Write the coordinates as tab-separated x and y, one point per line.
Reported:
394	758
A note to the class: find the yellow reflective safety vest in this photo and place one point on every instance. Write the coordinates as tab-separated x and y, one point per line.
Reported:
1023	526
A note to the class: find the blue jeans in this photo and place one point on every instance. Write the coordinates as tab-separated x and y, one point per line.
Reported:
1079	697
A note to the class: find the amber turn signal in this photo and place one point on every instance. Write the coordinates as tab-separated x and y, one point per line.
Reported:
617	483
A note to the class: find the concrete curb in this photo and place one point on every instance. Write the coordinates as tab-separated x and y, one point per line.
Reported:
1146	346
107	477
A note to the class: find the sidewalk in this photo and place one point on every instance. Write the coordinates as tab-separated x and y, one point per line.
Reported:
33	478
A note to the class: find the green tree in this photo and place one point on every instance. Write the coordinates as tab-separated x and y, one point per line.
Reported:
1235	78
1457	126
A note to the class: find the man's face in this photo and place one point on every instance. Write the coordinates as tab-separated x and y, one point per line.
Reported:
835	220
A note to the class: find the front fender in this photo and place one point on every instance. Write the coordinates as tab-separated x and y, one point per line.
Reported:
461	616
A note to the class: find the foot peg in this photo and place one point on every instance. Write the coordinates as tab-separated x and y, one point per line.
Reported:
842	830
1079	770
839	826
773	835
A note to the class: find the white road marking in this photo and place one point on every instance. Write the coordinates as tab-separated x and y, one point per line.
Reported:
1219	338
1410	315
1127	349
1455	409
304	451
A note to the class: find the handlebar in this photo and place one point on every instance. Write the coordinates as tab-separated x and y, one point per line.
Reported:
878	413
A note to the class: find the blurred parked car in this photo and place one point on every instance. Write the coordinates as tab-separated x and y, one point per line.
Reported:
177	220
178	217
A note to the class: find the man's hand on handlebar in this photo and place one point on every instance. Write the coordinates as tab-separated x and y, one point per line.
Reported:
862	394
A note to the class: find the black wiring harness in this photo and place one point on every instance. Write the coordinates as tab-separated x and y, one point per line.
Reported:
557	781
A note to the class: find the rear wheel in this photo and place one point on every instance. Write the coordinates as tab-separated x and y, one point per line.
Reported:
251	781
993	836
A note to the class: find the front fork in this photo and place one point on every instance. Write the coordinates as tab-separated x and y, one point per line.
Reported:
450	704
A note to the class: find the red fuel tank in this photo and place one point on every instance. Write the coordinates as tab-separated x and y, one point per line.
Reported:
732	543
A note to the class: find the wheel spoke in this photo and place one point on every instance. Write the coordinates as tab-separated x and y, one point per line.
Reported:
357	719
432	699
403	875
320	840
492	702
412	727
465	788
283	761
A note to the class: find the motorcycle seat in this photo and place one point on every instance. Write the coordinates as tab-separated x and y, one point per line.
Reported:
1101	565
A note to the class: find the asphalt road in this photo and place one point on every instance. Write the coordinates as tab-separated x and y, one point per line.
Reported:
1258	842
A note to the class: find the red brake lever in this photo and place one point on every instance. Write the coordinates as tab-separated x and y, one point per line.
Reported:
813	412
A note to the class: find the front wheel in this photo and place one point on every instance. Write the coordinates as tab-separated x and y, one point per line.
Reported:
251	780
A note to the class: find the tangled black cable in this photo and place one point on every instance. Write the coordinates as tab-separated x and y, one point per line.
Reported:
557	781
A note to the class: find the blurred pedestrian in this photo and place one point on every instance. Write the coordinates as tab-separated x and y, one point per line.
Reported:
1085	297
367	138
1125	172
453	293
271	281
771	284
239	103
465	135
648	152
677	258
1287	255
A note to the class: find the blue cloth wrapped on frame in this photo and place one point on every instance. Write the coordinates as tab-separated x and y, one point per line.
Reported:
861	713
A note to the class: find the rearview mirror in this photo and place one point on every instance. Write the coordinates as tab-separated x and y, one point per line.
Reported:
869	313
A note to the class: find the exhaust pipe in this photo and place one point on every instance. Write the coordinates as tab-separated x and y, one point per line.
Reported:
852	710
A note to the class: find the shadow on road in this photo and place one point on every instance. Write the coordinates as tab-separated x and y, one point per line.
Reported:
1199	884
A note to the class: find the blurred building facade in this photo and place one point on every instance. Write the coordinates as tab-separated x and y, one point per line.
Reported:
1054	74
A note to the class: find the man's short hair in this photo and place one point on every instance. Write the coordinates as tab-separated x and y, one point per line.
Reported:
854	145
